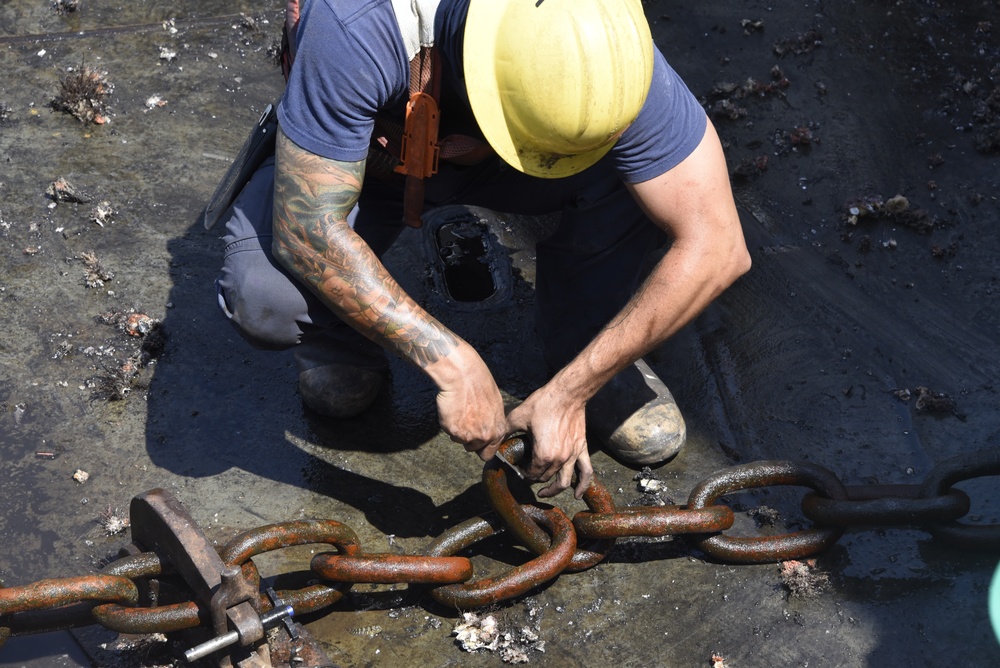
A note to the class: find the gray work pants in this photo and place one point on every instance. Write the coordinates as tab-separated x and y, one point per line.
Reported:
586	269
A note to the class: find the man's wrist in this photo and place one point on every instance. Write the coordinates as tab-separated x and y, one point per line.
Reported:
451	369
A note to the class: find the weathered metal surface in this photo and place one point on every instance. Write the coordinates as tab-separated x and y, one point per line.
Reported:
885	505
966	466
393	568
653	521
597	498
520	579
763	549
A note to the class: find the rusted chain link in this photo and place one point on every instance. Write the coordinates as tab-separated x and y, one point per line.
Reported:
243	548
939	481
655	521
885	505
518	580
393	569
763	549
122	596
517	520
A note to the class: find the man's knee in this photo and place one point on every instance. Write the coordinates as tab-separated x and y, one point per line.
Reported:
267	319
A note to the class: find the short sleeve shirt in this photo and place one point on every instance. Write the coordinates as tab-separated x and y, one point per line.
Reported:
350	65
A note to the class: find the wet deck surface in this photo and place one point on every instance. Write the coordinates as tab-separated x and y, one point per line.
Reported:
803	359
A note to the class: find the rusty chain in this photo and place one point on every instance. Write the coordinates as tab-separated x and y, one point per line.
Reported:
138	592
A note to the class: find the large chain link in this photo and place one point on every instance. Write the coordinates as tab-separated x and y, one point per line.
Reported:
119	597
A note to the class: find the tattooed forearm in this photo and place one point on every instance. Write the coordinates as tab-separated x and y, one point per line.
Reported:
312	239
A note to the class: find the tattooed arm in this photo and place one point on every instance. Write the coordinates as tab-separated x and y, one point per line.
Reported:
313	240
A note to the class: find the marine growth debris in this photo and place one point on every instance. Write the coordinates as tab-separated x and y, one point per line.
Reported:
895	210
487	633
117	380
801	578
84	95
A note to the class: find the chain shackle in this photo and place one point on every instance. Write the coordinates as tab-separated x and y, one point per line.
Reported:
885	505
526	530
518	580
956	469
767	549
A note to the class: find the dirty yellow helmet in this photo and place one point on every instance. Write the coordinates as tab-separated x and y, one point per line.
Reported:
554	83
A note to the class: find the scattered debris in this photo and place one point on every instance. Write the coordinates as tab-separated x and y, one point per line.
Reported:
6	115
65	6
934	402
102	213
801	578
942	252
985	110
749	168
250	23
84	95
62	190
802	136
167	54
727	109
765	516
652	488
719	102
800	44
81	476
475	633
131	322
896	210
114	521
19	411
154	101
153	650
117	381
647	482
650	485
367	631
96	275
749	26
718	661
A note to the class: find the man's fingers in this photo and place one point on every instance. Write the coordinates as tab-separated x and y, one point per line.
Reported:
542	471
561	482
487	453
585	473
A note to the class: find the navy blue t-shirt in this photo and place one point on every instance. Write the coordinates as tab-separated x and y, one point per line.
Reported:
351	64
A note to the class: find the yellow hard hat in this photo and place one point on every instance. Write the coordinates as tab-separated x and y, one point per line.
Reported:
554	83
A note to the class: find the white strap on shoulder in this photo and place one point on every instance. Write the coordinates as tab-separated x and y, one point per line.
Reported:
416	23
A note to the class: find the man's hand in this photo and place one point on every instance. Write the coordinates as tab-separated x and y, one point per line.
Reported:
470	407
556	422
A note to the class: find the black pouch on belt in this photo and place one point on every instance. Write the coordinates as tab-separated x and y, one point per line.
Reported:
258	147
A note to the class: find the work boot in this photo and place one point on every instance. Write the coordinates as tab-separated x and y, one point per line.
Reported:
335	385
635	418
